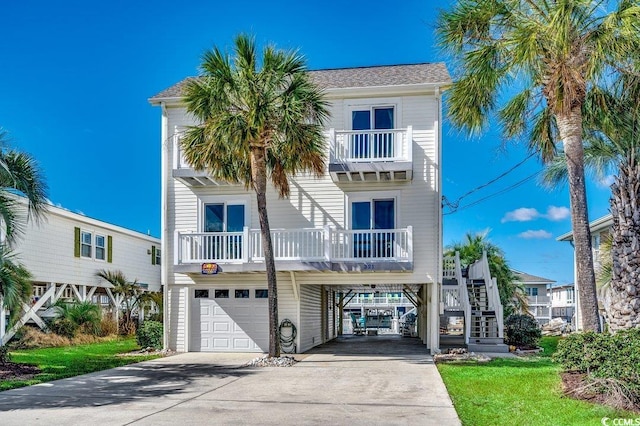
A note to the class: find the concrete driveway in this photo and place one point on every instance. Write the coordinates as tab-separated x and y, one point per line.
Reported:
331	385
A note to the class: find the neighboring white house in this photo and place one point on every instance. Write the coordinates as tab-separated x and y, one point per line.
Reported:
374	218
600	229
563	301
64	251
538	295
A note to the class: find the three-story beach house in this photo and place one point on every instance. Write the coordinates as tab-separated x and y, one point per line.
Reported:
372	221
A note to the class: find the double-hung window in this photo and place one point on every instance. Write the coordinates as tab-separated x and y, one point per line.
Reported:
85	244
101	252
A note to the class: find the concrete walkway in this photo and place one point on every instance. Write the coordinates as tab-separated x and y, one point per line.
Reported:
333	384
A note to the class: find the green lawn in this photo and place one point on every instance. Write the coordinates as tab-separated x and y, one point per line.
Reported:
58	363
518	392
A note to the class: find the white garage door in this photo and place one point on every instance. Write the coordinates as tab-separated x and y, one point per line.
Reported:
229	320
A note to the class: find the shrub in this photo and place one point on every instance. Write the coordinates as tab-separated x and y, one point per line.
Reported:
583	352
86	315
149	335
108	326
5	356
64	327
522	330
33	338
611	360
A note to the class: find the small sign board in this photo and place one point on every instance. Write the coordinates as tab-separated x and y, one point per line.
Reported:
210	268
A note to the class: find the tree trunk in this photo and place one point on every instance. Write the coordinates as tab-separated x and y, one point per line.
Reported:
570	129
259	177
624	310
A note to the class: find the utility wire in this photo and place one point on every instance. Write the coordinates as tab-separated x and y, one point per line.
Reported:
454	204
502	191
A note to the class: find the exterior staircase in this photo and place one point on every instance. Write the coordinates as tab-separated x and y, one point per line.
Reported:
472	294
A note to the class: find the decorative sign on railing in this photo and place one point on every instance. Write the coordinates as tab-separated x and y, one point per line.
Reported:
210	269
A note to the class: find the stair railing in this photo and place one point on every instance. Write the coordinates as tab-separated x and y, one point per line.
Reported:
464	299
493	294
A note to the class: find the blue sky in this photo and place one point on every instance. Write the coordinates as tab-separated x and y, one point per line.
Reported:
76	75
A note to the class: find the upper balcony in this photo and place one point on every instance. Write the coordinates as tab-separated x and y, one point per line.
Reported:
539	300
370	155
298	250
183	171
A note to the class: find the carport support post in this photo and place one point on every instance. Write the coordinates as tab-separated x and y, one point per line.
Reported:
340	310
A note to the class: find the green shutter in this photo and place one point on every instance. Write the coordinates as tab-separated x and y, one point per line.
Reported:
153	255
76	247
109	249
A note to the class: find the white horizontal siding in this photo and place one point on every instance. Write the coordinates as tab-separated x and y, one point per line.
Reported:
47	249
310	330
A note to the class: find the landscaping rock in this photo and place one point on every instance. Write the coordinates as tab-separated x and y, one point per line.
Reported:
556	327
265	361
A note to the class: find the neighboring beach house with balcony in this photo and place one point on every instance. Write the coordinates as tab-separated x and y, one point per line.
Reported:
538	295
600	230
64	251
563	302
373	219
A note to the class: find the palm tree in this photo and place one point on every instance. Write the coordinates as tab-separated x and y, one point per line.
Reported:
545	55
19	175
258	119
15	283
612	115
129	292
512	295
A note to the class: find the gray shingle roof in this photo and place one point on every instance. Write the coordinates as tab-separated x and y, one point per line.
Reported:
528	278
341	78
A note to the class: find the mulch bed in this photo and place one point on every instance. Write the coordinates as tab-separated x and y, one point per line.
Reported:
14	371
578	386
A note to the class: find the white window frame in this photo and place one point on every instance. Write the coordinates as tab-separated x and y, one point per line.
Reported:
158	258
244	200
370	196
371	104
84	232
103	247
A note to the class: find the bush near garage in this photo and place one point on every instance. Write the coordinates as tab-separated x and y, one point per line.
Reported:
149	335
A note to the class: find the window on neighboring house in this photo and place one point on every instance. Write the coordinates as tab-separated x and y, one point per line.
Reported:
100	247
532	291
85	244
158	256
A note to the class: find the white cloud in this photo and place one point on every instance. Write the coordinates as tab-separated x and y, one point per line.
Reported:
557	213
523	214
540	234
526	214
606	181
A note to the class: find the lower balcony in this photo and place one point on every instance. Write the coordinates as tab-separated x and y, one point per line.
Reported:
319	249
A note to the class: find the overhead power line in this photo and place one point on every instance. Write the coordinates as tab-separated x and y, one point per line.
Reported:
455	205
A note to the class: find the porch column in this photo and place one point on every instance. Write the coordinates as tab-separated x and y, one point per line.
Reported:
340	312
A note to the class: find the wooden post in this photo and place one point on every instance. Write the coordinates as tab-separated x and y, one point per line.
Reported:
340	312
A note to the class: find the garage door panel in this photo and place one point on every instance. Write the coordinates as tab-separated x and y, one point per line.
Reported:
226	325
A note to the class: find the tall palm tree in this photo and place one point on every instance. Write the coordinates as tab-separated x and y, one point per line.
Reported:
543	55
612	116
258	119
512	295
19	176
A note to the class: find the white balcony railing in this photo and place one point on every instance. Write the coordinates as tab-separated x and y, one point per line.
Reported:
535	300
370	145
372	300
309	245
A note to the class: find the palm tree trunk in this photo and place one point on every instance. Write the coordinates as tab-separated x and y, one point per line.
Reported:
624	312
259	177
570	129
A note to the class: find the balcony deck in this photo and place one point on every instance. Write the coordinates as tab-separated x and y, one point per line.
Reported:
370	155
319	249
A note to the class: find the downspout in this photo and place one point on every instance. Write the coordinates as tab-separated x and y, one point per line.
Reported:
164	135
